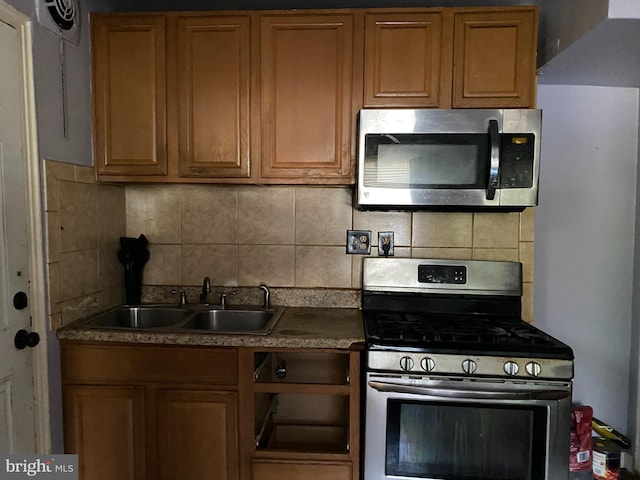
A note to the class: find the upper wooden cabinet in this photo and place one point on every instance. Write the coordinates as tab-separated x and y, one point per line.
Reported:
404	60
306	96
213	65
129	95
452	58
495	59
272	96
171	96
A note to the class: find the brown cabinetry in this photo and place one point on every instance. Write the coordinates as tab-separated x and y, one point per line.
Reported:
305	410
171	96
197	434
272	96
129	95
451	58
270	470
495	59
213	66
186	413
404	60
105	426
307	97
137	412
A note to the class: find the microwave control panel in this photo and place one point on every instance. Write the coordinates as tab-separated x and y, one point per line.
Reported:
516	160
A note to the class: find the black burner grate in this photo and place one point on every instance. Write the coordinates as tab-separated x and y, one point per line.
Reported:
456	332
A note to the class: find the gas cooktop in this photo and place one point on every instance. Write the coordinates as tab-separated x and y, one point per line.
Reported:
454	317
455	333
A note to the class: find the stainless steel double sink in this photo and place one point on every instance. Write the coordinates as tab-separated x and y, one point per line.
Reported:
202	318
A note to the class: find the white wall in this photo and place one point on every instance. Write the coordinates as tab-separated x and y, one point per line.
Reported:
76	148
585	229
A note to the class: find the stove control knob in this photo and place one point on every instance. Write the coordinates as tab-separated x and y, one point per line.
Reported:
406	363
469	366
533	368
427	364
511	368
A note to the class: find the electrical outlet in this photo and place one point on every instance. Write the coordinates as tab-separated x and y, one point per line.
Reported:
385	244
359	241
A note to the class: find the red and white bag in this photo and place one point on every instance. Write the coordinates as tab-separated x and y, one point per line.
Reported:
581	446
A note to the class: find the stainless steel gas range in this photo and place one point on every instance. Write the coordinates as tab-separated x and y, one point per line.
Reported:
458	387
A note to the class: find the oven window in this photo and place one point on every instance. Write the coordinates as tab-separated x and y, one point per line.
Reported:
470	441
426	160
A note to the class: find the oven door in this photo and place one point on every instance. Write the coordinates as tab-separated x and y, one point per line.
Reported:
466	430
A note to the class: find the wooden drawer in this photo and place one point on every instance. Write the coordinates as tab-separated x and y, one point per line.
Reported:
294	471
109	363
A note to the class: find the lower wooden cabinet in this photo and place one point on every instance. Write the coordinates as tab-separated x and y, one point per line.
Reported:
105	426
138	412
175	419
197	434
305	410
261	470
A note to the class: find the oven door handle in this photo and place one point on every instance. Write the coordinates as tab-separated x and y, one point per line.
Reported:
470	393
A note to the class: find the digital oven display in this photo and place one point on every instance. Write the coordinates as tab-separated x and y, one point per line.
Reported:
455	274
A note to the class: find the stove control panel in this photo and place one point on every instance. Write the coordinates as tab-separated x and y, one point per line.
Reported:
454	274
434	363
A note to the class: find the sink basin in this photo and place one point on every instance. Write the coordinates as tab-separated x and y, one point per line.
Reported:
204	318
234	321
140	317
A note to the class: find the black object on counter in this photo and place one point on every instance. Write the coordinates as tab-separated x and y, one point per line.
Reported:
133	255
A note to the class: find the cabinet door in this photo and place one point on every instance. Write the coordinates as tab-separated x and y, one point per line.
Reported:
213	96
105	427
403	61
495	59
197	435
262	470
129	93
307	92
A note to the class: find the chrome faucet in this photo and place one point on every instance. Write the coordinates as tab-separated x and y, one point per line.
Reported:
206	289
267	295
223	298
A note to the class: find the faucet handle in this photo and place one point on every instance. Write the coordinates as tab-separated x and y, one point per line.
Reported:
183	299
267	295
223	297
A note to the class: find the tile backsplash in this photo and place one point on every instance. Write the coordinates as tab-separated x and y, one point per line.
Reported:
294	237
290	237
85	221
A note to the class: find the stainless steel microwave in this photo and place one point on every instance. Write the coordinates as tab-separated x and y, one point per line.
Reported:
452	159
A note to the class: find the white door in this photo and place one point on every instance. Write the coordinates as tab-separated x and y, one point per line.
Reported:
17	427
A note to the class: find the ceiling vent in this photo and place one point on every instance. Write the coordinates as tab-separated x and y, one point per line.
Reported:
62	17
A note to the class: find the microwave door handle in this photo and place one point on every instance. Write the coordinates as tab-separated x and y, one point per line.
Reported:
494	167
473	393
